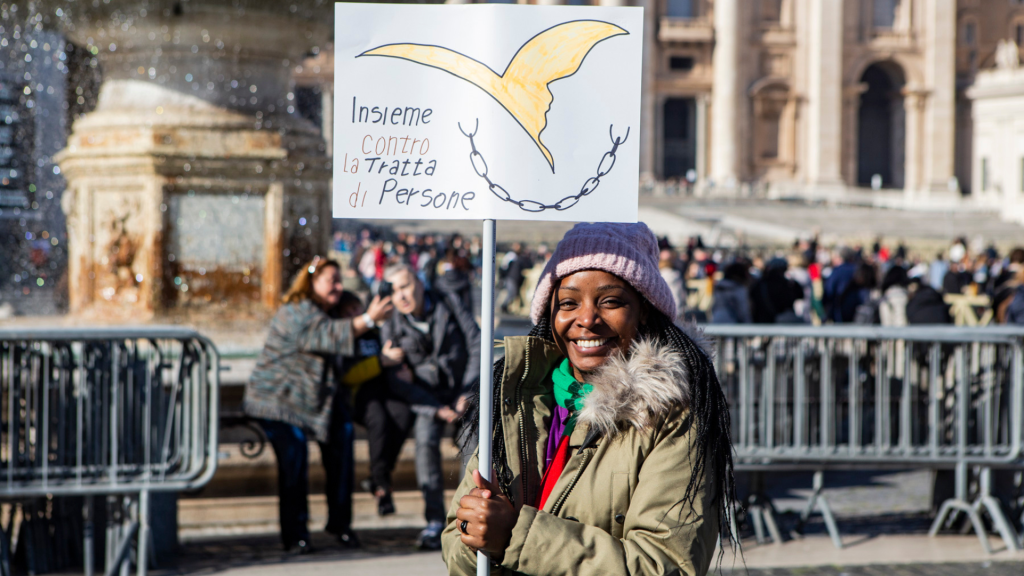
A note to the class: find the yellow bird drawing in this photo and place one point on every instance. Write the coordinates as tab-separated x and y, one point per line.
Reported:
522	89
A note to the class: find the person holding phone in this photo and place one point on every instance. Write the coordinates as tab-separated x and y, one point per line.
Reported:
294	395
440	342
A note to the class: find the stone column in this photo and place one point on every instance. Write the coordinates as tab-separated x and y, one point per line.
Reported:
701	128
725	93
193	183
940	78
648	102
914	102
824	99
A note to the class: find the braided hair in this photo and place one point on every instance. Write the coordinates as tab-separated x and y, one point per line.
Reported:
709	420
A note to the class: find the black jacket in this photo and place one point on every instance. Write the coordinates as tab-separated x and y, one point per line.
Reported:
926	306
446	359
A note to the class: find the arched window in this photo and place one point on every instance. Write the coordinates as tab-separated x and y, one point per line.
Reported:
769	104
970	37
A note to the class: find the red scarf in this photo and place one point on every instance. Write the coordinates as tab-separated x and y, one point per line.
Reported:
554	471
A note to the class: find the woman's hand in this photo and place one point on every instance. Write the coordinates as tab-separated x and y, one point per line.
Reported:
462	405
380	308
391	356
378	311
489	517
446	414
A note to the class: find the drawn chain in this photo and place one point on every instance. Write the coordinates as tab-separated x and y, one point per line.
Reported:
591	184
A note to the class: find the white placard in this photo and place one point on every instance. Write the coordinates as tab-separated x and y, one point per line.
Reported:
511	112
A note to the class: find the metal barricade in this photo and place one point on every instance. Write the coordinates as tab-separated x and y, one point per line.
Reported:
118	412
844	396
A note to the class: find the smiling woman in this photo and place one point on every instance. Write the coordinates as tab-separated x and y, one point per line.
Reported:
611	439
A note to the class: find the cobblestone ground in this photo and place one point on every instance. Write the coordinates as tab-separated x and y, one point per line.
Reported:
972	569
388	552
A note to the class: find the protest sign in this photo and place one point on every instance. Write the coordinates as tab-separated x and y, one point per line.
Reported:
487	112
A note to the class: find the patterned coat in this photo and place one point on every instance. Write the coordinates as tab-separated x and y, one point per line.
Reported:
292	381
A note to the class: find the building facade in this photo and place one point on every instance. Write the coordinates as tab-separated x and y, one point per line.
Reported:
997	98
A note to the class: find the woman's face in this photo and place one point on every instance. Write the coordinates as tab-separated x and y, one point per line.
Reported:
327	286
595	315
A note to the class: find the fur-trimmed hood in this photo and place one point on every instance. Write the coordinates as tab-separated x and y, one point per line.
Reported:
633	391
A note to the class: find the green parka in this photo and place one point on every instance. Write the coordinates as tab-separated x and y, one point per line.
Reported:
618	506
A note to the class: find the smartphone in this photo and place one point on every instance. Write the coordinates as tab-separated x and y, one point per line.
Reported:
385	289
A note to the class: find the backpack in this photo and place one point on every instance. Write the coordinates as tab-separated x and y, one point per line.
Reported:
867	313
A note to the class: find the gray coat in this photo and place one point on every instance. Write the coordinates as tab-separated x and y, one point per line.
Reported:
292	381
446	359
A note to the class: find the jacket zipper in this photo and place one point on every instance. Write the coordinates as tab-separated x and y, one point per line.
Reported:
524	462
579	472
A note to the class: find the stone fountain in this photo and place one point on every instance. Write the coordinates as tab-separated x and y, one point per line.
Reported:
193	184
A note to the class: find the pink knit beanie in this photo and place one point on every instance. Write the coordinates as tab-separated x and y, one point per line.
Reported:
629	251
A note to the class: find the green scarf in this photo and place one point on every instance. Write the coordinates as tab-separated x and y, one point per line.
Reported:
569	393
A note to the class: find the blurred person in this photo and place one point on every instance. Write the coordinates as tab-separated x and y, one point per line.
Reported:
937	270
441	344
513	265
808	248
381	250
773	295
926	305
700	265
842	294
401	254
293	394
368	263
731	303
532	275
959	275
799	272
865	282
615	457
1006	285
900	256
454	277
340	242
1013	311
476	248
427	269
375	404
673	277
892	307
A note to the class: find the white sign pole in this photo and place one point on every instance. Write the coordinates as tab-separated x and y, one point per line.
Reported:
483	566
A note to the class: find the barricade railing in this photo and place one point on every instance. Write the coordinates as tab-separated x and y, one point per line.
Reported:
866	396
105	412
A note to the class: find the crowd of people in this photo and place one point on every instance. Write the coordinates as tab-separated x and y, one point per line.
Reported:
810	283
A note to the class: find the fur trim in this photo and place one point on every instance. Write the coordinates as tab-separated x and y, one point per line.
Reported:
696	333
634	391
